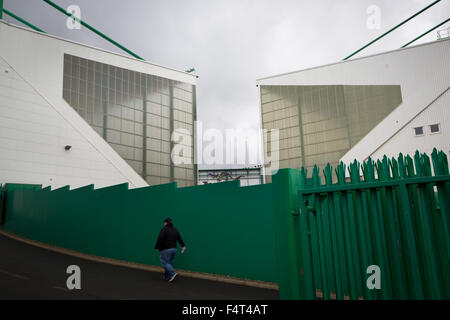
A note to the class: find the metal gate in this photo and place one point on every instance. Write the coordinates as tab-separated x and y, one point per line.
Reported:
337	239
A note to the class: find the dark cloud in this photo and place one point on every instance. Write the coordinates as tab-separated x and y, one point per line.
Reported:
232	43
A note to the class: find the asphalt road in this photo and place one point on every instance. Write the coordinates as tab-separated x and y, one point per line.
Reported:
29	272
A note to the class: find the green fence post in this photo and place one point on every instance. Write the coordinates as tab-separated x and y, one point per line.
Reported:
377	231
407	231
349	236
437	232
440	166
441	219
285	203
364	243
310	250
424	211
394	253
336	236
323	238
307	228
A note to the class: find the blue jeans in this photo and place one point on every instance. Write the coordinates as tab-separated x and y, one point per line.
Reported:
166	257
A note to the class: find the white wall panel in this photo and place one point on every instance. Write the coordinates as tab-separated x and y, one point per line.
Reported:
39	59
33	134
422	71
406	142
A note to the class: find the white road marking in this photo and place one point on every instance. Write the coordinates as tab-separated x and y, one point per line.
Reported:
14	275
61	288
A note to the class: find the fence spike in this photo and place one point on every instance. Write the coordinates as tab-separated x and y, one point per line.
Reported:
434	160
340	173
364	171
418	164
355	172
440	164
328	174
382	168
369	170
315	176
444	163
410	166
401	166
426	165
394	168
387	172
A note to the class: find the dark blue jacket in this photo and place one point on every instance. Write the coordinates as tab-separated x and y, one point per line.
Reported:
168	237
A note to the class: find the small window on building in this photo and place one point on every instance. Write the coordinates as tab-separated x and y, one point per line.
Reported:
435	128
418	131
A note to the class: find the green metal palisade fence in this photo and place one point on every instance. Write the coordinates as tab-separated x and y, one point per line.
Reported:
397	218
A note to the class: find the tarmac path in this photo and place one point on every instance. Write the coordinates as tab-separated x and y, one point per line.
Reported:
30	272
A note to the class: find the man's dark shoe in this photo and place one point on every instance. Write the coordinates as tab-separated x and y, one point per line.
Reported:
173	277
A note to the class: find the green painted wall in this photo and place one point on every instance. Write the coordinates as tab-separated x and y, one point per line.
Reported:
228	229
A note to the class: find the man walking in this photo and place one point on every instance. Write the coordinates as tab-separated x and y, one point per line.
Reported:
167	246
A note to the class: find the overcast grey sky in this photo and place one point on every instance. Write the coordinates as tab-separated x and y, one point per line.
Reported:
232	43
